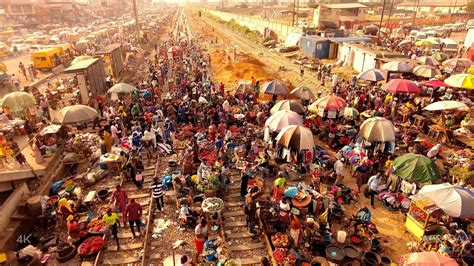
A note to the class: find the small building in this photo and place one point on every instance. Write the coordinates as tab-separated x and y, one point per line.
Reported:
362	57
112	57
90	76
325	48
341	15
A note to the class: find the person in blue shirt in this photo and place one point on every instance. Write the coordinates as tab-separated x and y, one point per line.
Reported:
361	217
218	143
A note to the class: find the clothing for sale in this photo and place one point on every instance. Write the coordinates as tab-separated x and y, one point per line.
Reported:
408	188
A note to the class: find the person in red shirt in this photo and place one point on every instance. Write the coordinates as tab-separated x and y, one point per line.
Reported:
100	103
221	88
134	214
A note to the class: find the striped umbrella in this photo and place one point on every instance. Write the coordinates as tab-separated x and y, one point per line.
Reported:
275	87
330	102
377	129
293	105
458	63
282	119
350	113
401	86
397	66
464	81
373	75
303	93
297	137
426	71
427	60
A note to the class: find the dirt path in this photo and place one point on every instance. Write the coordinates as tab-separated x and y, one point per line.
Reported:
264	61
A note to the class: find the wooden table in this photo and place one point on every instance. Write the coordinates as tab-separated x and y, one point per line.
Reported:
468	141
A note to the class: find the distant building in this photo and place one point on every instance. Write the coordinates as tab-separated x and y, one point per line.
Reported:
19	12
434	6
338	15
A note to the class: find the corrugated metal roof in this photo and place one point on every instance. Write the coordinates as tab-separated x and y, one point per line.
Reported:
349	39
81	65
344	5
109	48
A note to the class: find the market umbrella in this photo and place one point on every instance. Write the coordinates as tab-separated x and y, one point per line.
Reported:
18	100
282	119
377	129
121	88
470	70
303	93
424	43
75	114
427	60
455	201
464	81
275	87
350	113
397	66
428	258
297	137
202	100
293	105
373	74
426	71
416	167
401	86
458	63
330	102
81	58
445	105
434	83
440	57
244	86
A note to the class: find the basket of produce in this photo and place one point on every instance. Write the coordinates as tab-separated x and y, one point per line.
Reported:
91	246
212	205
280	240
97	227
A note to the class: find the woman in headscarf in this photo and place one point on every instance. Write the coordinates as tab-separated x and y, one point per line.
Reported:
64	208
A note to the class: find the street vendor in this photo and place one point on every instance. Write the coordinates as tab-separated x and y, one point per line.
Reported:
65	208
120	199
362	216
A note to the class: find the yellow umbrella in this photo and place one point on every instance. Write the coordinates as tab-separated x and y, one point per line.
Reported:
424	43
470	70
464	81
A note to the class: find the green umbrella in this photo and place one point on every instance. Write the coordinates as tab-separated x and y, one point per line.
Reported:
416	167
440	57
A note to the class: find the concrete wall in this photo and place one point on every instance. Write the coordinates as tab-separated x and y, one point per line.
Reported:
255	23
10	205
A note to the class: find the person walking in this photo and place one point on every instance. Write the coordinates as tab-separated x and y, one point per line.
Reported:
120	198
200	237
157	193
339	170
301	71
112	220
134	213
373	184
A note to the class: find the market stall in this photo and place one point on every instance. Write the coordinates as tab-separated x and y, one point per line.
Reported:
423	217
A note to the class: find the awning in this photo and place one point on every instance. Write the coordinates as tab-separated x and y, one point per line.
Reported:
81	66
293	38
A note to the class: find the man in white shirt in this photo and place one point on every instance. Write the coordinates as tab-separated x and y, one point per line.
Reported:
339	169
373	184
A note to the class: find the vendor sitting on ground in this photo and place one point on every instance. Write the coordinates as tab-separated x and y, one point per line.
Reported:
74	229
361	217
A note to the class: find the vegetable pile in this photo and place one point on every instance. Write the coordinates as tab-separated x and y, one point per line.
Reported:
280	240
97	227
91	245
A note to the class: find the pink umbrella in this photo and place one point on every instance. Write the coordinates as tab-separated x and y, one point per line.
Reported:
330	102
401	86
430	258
433	83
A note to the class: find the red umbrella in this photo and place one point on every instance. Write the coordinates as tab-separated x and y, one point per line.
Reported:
331	102
401	86
433	83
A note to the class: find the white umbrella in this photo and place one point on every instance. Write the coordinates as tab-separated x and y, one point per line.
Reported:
297	137
282	119
121	88
303	93
75	114
455	201
446	105
350	113
377	129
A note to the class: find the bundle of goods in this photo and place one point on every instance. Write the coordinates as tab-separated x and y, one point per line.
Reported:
209	156
212	205
96	227
280	240
91	246
83	143
211	183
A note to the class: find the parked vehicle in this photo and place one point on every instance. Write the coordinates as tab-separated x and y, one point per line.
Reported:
46	59
450	46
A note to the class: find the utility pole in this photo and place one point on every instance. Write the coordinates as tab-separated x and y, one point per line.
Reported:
415	10
390	13
293	13
135	12
380	25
